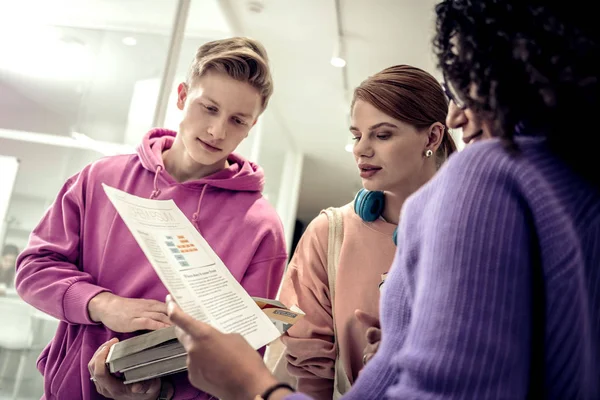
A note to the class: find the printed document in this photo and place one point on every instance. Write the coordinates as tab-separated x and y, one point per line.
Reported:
190	269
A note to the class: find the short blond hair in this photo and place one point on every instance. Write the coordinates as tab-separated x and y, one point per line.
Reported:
241	58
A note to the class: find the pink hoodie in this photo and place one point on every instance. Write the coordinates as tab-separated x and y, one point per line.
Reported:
81	247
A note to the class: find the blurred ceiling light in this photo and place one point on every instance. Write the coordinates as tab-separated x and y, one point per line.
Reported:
349	147
338	62
129	41
337	59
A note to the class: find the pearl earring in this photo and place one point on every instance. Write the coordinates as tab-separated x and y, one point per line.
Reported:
428	153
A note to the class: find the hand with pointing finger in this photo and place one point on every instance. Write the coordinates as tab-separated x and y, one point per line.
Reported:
373	334
224	365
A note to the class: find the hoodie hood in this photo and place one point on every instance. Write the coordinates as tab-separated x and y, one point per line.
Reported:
241	175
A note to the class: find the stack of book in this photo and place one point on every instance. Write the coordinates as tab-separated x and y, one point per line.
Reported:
147	356
159	353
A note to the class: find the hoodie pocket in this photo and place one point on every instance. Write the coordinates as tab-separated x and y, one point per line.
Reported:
66	379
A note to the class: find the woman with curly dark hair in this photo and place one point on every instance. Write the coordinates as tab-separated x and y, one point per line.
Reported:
496	294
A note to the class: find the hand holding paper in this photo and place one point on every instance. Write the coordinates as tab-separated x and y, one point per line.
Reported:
190	269
198	280
223	365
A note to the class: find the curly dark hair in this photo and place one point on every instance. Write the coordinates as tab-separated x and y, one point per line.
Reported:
532	64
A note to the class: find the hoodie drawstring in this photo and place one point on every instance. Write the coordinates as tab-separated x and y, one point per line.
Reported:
196	215
156	191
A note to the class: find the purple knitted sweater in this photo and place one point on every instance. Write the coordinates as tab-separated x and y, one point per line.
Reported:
495	288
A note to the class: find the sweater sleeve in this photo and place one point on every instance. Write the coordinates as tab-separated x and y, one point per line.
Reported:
49	273
470	276
310	349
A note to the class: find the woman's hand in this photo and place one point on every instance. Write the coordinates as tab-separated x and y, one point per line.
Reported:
113	388
121	314
224	365
373	334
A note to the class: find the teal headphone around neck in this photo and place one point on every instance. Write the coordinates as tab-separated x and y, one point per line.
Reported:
369	206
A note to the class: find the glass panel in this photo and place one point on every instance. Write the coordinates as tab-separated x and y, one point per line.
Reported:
68	76
72	65
205	23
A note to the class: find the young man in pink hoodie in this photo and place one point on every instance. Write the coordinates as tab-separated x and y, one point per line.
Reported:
83	266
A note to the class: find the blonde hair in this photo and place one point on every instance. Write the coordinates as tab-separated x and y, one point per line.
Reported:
241	58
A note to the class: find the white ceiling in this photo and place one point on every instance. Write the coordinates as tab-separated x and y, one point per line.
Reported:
138	16
300	36
309	107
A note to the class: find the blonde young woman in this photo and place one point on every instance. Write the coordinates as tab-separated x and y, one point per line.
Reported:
397	122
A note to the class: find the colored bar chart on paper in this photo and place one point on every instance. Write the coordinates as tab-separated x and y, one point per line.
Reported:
186	253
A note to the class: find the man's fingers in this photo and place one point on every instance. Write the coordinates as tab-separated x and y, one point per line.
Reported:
158	306
102	349
145	323
160	317
100	372
150	386
105	347
366	319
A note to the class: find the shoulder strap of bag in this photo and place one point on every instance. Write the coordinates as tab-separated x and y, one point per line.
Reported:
341	383
276	360
334	244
